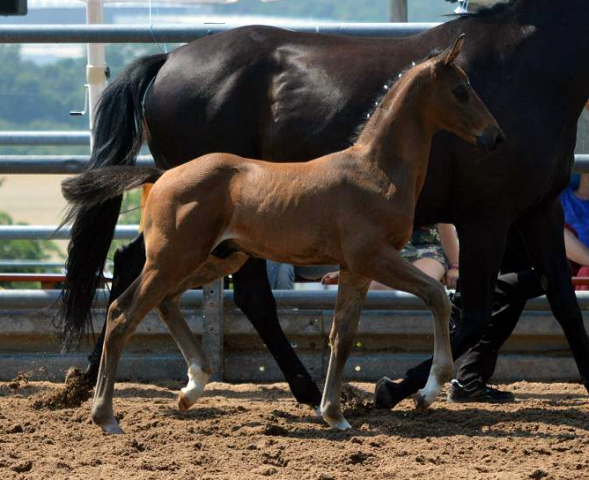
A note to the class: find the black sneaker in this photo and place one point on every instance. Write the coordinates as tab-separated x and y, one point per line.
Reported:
477	391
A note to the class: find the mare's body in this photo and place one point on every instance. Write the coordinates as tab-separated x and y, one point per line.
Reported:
267	93
354	208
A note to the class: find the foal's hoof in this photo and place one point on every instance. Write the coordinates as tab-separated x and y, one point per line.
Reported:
110	427
183	402
332	414
338	424
421	404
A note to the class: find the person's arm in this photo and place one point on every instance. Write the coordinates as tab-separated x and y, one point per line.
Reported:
576	250
449	241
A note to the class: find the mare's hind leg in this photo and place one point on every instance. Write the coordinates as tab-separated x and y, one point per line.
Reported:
542	234
350	297
199	366
390	268
253	296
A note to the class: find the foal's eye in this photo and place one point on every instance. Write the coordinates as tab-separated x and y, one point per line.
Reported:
461	93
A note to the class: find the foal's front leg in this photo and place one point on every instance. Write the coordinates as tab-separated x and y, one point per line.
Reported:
350	297
390	268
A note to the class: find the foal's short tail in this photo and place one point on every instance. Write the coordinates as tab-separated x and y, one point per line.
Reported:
94	187
118	134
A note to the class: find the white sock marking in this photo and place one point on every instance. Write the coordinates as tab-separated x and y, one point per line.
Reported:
197	380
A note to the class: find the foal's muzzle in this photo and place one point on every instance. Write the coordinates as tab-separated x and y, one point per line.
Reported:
490	139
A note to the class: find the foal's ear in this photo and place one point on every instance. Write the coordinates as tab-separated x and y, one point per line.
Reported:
451	54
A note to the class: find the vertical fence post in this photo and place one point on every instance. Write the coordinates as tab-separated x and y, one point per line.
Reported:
212	326
398	11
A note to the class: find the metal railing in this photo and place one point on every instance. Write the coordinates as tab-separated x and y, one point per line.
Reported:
184	33
75	138
49	232
65	164
285	299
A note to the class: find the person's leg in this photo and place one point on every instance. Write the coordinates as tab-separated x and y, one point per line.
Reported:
280	275
431	267
478	363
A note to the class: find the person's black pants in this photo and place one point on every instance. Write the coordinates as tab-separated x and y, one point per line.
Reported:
480	356
511	293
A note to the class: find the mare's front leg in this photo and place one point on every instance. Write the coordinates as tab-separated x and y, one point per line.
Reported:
542	231
253	296
390	268
350	297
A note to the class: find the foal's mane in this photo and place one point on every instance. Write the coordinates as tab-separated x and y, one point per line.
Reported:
385	90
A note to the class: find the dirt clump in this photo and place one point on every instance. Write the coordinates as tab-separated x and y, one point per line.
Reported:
355	402
74	393
18	382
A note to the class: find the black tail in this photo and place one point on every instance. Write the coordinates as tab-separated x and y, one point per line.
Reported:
118	133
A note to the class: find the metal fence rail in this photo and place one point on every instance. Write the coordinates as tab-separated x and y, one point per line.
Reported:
183	33
45	138
285	299
52	164
66	164
49	232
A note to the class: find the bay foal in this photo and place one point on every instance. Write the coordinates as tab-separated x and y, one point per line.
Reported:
354	208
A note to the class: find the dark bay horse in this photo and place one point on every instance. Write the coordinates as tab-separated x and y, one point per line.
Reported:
267	93
353	208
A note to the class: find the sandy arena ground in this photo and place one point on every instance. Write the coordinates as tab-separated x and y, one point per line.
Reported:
257	431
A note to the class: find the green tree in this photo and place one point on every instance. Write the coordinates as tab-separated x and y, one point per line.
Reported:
25	250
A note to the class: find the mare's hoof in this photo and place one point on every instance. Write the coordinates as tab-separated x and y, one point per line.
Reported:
183	402
305	390
388	394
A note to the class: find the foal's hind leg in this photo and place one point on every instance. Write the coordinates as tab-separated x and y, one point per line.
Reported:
123	317
350	297
128	262
199	366
390	268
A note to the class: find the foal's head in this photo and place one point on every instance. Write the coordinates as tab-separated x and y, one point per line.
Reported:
453	105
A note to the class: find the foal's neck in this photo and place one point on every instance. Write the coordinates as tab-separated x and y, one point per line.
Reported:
398	137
